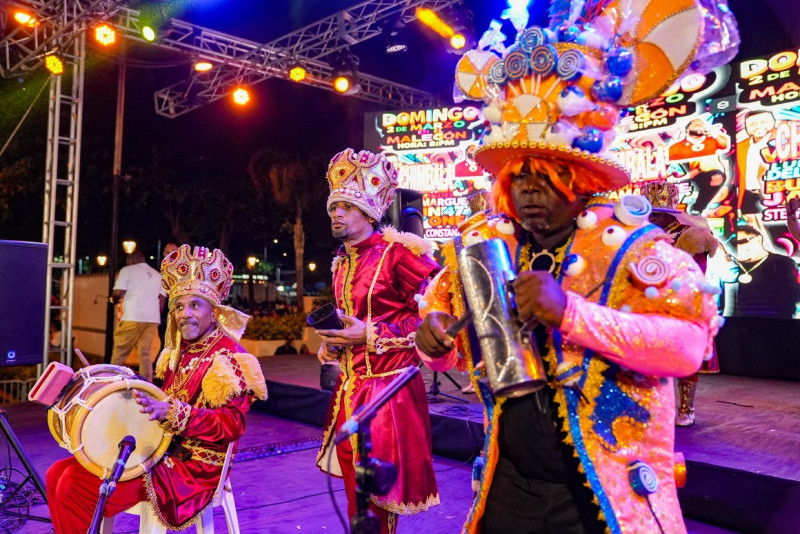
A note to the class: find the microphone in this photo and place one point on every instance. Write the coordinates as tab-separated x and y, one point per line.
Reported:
126	447
366	412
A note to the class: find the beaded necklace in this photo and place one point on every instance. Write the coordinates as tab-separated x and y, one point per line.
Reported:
183	375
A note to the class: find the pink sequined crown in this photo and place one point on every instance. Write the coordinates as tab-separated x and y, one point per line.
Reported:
199	272
365	179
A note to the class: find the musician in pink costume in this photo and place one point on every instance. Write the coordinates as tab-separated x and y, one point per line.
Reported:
376	276
210	381
618	310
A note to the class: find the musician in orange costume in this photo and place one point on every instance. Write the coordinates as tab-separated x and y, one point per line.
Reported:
210	381
376	276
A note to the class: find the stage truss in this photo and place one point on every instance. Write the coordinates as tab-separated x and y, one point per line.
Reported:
62	27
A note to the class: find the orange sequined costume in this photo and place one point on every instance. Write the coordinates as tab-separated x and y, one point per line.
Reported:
638	311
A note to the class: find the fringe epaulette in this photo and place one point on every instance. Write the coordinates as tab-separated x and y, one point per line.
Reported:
162	363
418	245
232	374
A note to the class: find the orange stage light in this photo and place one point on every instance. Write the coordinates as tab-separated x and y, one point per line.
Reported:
24	18
105	34
203	66
341	84
241	96
54	64
298	73
458	41
430	19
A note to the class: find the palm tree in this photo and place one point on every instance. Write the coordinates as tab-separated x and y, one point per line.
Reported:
296	183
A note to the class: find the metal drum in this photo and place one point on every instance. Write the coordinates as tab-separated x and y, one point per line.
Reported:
513	364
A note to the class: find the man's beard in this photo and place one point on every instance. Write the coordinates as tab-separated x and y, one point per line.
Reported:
340	233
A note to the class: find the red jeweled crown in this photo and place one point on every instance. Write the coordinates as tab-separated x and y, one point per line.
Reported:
199	272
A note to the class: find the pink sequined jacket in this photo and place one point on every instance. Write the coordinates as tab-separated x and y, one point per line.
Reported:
638	311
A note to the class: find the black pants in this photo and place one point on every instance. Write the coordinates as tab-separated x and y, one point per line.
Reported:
519	505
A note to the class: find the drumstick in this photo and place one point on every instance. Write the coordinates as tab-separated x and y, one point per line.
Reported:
82	358
456	327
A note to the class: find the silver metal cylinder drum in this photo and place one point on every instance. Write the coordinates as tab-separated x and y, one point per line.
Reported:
514	367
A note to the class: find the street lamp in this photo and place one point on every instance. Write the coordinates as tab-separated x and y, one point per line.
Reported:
129	246
312	266
102	260
251	294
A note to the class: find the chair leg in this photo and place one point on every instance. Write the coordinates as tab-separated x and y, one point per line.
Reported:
231	518
205	523
148	524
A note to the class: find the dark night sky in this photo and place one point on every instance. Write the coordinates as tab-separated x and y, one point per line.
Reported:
282	113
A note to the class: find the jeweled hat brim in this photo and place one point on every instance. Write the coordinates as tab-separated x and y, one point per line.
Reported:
611	174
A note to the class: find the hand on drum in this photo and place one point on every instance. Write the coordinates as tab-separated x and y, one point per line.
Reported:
432	338
158	410
538	295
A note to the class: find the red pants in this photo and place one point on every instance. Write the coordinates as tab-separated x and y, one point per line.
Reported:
73	492
344	452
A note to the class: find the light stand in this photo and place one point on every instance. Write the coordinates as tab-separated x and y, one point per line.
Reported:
434	391
33	476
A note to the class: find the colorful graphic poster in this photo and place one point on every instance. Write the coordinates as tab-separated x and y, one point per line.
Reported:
433	150
730	141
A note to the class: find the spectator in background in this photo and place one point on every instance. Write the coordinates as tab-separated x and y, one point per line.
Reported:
139	287
287	347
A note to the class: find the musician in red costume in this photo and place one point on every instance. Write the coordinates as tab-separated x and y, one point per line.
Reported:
376	277
210	381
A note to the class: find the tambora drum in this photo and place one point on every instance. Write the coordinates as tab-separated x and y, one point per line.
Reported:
97	410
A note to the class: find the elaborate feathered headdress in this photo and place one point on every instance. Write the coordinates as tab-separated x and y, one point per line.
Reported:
557	92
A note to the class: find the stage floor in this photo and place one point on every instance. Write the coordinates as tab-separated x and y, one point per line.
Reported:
744	426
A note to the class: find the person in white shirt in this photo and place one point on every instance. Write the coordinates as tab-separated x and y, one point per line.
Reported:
139	287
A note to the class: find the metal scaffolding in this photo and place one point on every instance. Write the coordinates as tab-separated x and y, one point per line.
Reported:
60	28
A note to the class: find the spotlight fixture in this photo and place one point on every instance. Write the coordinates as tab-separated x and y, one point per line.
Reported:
298	73
241	95
54	64
203	65
155	25
24	18
105	34
458	31
345	79
393	36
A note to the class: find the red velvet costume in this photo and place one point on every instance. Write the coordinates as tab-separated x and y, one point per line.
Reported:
377	281
211	392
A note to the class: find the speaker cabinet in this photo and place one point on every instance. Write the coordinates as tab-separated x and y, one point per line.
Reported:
23	276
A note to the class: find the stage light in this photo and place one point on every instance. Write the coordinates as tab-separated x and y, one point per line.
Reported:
458	41
155	26
241	96
275	241
251	262
24	18
312	266
105	34
459	31
102	260
203	66
298	73
394	38
345	79
129	246
54	64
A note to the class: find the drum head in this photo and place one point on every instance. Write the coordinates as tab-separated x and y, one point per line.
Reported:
114	415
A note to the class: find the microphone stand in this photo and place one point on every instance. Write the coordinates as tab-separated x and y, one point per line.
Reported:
110	484
372	477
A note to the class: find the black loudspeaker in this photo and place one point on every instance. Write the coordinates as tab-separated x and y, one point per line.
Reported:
405	213
23	277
